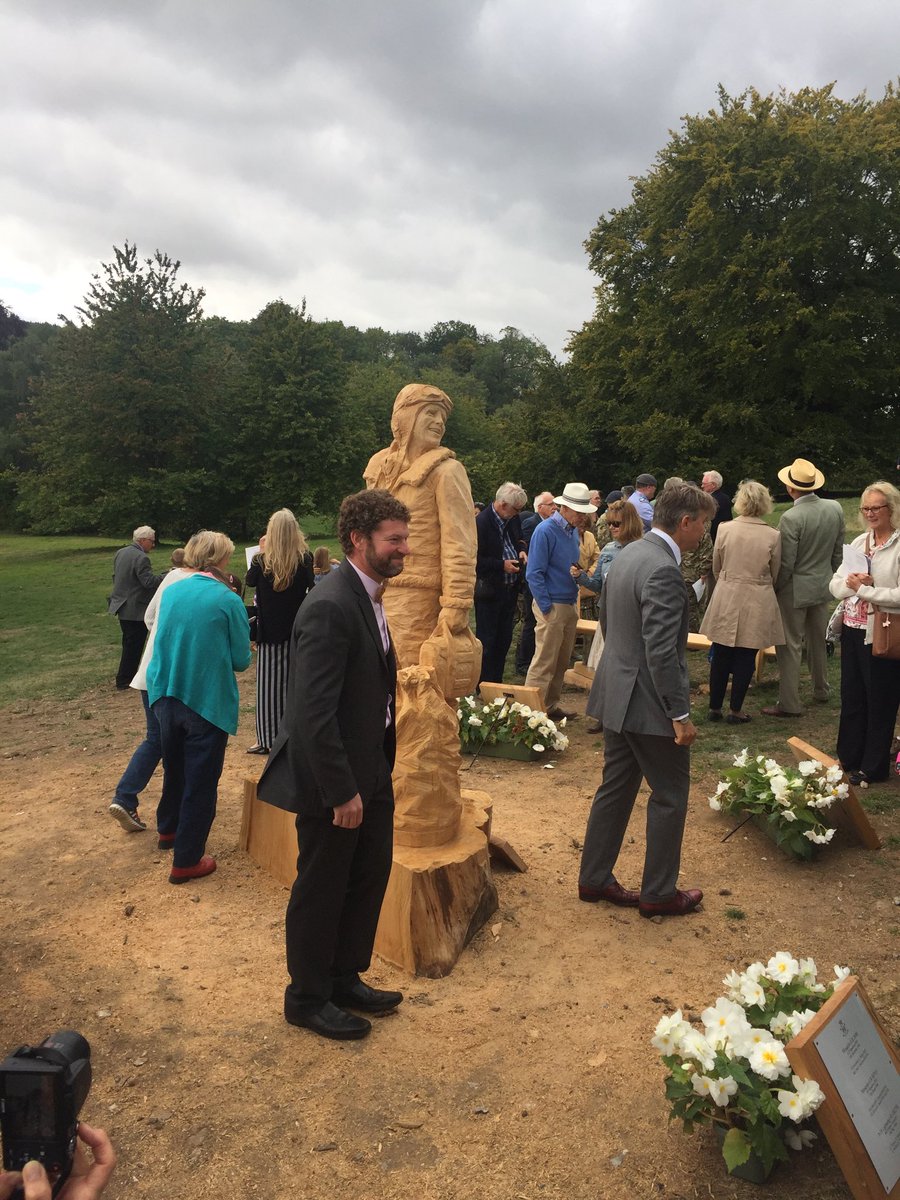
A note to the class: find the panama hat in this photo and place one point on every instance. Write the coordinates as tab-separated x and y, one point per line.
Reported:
576	496
802	476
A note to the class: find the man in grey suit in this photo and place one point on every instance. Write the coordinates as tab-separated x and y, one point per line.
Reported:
812	541
133	586
641	696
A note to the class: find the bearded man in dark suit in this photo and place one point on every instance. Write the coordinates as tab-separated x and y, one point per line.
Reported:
331	765
641	697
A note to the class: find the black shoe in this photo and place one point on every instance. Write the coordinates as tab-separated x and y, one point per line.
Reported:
128	819
329	1021
366	999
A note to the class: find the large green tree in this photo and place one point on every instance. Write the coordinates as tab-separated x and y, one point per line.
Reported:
748	305
116	431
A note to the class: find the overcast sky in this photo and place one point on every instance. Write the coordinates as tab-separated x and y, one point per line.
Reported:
396	163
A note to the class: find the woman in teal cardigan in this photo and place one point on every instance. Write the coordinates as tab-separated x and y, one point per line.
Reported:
202	638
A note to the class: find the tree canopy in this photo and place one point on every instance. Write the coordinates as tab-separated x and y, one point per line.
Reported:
748	305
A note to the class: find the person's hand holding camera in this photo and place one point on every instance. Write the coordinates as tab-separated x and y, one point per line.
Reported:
87	1180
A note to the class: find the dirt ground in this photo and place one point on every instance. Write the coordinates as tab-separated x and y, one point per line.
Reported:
526	1074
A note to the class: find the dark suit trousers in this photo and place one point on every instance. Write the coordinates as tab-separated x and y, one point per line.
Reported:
630	757
493	628
336	899
134	634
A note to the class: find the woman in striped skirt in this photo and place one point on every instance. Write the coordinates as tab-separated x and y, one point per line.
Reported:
281	575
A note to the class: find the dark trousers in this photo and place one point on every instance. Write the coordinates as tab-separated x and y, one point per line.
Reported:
134	634
143	762
336	899
525	648
870	696
734	661
493	628
628	758
193	753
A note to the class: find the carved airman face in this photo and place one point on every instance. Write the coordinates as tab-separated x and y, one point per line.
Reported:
428	429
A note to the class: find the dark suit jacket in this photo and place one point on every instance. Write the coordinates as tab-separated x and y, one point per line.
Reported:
642	684
489	563
133	583
332	741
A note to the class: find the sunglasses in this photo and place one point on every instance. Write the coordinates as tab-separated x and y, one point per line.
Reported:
614	524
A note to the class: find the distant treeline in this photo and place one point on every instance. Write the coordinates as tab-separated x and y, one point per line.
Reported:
747	313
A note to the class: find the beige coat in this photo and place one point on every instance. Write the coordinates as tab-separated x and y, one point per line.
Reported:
743	610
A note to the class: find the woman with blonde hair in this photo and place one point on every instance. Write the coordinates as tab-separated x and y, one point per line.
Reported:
870	684
202	638
282	576
743	615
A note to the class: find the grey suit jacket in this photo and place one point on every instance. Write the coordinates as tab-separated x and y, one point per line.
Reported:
133	583
642	682
812	541
332	742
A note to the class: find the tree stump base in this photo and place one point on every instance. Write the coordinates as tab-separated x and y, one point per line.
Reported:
438	897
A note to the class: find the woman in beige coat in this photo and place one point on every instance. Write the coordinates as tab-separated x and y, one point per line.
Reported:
743	614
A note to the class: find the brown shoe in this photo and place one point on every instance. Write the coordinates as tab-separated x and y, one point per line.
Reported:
681	903
557	714
775	711
613	893
205	866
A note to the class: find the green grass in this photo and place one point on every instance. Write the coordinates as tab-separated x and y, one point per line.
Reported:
56	637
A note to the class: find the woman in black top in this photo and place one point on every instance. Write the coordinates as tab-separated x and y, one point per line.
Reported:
282	575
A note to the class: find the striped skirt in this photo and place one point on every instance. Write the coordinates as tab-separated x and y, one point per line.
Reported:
271	689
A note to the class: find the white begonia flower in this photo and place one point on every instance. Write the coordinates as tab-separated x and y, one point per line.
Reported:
752	994
842	791
715	804
784	1025
459	713
700	1084
769	1060
732	982
798	1139
533	722
755	971
526	710
790	1105
782	967
473	720
723	1021
696	1048
834	774
820	839
539	747
772	767
486	708
780	788
745	1043
789	814
808	971
810	767
669	1032
722	1089
808	1096
803	1018
742	759
840	973
723	786
562	723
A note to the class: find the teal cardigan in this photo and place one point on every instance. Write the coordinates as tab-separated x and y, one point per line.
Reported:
202	638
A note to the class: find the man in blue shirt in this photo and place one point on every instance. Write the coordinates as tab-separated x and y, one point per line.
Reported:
553	550
644	491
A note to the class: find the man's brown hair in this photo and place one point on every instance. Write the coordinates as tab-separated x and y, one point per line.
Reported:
363	512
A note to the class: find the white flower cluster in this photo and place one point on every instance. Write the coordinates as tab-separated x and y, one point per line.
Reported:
811	786
729	1033
503	717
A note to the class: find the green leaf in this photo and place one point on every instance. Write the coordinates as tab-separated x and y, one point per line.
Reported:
735	1148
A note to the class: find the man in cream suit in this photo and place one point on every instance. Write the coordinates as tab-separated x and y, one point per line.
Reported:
812	540
641	696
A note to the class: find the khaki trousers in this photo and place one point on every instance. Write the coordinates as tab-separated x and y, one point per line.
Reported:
809	625
554	639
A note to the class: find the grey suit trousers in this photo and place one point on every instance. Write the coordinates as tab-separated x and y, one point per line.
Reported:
802	625
630	757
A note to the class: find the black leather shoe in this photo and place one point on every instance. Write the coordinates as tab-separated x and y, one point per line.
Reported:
366	999
331	1022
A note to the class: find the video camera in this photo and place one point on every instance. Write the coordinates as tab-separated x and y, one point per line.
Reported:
42	1089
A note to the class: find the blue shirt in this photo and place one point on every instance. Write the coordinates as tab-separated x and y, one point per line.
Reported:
644	508
554	548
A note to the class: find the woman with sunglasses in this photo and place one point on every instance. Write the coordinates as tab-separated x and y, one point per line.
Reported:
626	526
870	685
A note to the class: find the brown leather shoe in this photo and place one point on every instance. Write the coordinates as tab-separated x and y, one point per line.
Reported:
775	711
613	893
681	903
